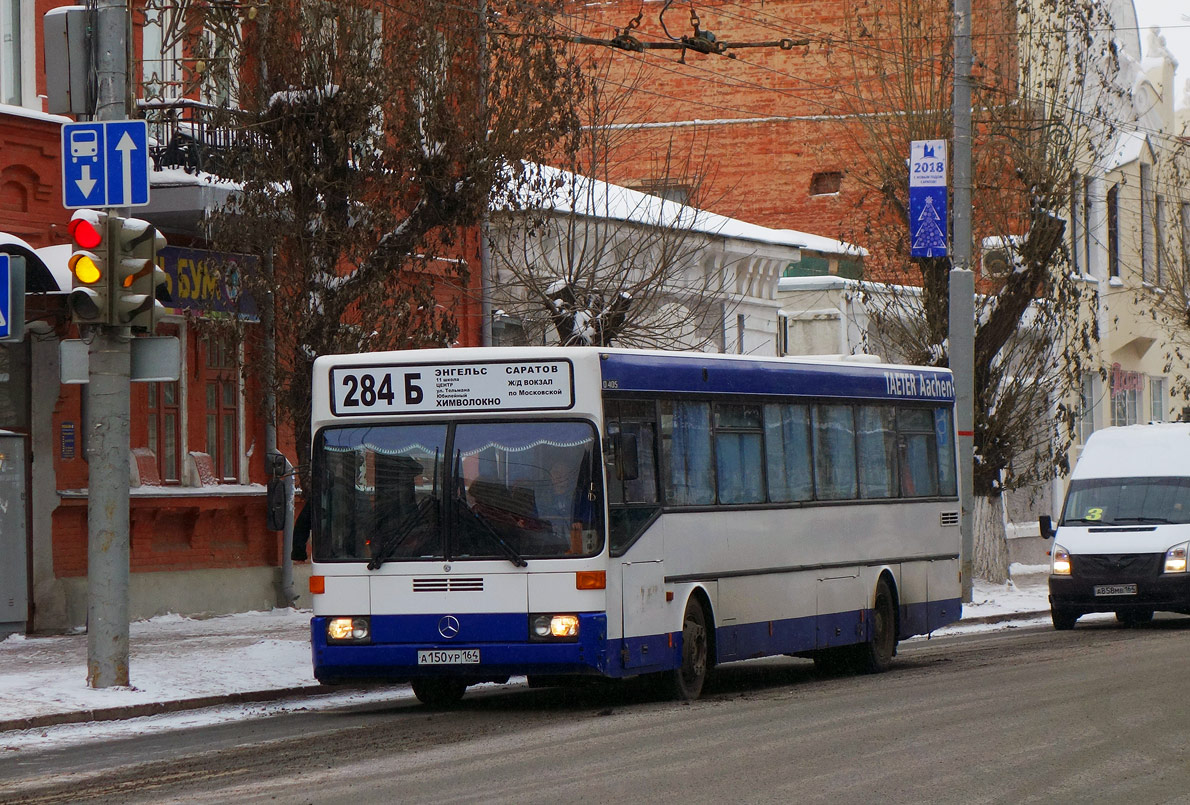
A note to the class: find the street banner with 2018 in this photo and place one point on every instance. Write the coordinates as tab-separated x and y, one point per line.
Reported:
928	224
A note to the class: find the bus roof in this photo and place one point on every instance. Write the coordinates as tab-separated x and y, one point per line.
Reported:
658	371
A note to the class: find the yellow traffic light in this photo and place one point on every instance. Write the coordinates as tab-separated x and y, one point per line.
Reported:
89	296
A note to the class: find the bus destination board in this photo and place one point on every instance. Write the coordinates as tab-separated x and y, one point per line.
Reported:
444	388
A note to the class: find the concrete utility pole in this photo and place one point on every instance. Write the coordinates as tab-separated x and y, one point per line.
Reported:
962	288
107	422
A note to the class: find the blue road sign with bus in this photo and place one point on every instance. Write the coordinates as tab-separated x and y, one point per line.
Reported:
928	222
105	164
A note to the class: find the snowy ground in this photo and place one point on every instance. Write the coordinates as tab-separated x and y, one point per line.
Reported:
174	658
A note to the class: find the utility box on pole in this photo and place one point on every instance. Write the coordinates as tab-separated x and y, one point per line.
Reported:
67	76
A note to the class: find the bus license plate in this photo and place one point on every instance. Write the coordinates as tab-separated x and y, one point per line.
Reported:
1115	589
464	656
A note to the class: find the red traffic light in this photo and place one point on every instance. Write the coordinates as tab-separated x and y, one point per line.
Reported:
86	229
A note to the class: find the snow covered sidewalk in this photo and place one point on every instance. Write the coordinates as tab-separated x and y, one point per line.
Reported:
179	663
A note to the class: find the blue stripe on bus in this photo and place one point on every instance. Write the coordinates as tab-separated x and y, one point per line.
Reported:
681	373
505	649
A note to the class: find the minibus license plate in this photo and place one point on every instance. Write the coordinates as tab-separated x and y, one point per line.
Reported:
454	656
1115	589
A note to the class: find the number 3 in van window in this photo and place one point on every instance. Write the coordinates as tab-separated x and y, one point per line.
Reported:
1094	514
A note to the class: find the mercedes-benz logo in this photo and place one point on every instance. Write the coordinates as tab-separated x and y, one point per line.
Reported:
448	627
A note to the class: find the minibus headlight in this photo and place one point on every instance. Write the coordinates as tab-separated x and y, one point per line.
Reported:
553	627
1061	561
1175	558
348	630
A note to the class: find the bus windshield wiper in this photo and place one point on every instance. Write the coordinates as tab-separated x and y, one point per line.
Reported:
486	529
389	549
1141	519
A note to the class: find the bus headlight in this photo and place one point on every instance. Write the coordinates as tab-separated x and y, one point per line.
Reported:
348	630
553	627
1061	562
1175	558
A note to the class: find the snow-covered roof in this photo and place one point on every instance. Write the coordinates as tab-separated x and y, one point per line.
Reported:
32	114
1129	149
584	195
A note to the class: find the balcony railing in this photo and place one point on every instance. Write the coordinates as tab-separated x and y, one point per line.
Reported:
194	136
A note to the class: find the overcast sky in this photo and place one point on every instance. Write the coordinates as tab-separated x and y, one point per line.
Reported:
1173	18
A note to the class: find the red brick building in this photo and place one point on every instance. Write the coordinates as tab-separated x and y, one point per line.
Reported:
774	129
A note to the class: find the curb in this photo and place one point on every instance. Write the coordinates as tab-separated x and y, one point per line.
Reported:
1006	616
159	708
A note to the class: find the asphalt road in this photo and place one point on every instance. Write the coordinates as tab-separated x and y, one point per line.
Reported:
1099	714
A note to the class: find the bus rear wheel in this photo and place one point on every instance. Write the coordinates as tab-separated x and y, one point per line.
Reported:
685	682
438	693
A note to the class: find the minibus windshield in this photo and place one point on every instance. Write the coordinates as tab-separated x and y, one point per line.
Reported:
1127	501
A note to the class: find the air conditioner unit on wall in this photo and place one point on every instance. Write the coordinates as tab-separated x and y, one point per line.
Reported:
999	257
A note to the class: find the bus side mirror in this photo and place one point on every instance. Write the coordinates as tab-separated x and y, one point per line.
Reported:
1047	526
627	462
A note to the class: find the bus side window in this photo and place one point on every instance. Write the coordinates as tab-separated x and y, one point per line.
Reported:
632	495
787	452
689	470
834	452
919	452
944	435
631	453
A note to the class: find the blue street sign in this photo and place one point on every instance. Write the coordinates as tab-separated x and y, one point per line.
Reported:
928	224
105	164
5	296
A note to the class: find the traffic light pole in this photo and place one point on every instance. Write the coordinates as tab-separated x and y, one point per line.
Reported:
108	428
962	292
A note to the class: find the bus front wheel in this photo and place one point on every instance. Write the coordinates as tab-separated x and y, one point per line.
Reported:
438	692
685	682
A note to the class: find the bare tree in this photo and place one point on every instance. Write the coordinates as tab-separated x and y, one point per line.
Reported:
370	137
1043	104
581	261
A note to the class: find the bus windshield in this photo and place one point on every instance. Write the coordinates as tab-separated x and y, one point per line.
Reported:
1127	501
473	490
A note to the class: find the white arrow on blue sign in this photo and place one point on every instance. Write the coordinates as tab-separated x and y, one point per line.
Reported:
105	164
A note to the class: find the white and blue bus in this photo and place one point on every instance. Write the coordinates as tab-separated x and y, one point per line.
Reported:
570	512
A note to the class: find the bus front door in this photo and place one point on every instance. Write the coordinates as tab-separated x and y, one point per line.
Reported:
646	638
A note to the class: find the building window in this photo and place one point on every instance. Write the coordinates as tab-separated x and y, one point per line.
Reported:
16	52
1077	216
1113	231
222	408
1087	223
1156	399
739	333
677	192
164	423
1186	237
826	182
1146	223
1125	396
1086	408
1159	237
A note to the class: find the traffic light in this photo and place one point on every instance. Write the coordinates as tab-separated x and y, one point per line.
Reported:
135	244
88	299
